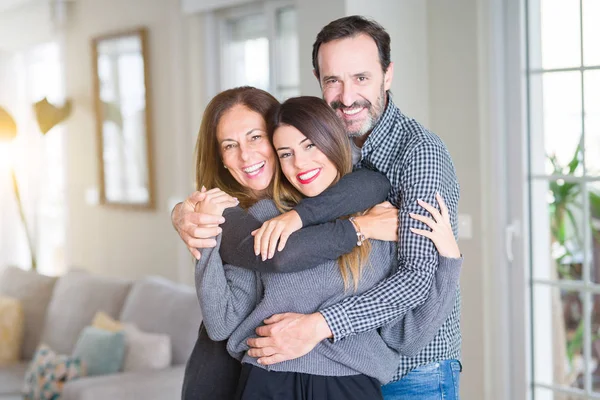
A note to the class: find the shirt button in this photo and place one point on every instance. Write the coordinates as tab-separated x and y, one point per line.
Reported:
343	331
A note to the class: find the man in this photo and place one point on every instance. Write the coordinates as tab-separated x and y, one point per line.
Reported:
351	60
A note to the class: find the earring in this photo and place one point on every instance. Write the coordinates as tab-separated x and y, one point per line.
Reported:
225	166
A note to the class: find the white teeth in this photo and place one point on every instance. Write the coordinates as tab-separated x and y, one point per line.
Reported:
308	175
352	111
254	168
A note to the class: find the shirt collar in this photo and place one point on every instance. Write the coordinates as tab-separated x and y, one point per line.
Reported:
384	126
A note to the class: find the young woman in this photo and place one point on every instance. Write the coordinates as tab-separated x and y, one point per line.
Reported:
314	154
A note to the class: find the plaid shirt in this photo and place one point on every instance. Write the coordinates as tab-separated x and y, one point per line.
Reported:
418	165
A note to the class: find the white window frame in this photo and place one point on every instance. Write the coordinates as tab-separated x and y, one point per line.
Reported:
505	196
216	22
510	126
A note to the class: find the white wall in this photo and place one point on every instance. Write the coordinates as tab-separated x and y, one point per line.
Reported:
312	16
36	16
406	22
107	240
454	116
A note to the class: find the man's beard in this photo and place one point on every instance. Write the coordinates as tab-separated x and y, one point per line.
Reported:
374	113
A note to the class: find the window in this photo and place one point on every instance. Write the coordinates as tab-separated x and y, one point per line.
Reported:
259	47
38	161
564	180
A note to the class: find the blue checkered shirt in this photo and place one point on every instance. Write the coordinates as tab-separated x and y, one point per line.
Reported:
418	165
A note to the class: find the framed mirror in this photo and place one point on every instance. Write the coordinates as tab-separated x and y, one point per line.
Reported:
123	119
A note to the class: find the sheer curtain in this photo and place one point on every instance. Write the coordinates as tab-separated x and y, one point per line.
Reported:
27	77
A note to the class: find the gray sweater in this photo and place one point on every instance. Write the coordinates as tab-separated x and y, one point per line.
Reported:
235	301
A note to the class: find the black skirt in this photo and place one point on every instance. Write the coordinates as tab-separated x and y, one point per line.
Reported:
259	384
210	373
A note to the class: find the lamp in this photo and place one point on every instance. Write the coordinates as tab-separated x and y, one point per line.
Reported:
8	127
8	131
47	116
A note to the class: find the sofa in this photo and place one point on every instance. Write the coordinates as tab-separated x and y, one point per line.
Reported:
56	310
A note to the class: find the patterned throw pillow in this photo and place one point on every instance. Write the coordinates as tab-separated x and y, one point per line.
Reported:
48	373
11	329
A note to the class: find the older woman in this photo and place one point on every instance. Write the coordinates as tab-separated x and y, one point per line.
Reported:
235	155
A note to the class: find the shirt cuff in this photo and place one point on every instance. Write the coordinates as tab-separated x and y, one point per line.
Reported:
338	322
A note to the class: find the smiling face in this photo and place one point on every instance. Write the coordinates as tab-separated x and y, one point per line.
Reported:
353	82
245	148
302	163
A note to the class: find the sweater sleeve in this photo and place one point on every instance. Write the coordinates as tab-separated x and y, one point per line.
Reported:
355	192
416	329
305	249
227	294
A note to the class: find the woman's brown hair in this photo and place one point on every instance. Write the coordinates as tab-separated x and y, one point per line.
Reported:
319	123
210	171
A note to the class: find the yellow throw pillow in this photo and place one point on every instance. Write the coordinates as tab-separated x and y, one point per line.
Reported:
12	321
105	322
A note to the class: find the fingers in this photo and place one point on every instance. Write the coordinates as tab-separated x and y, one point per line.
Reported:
258	237
426	220
218	196
443	207
223	201
432	210
195	197
262	352
274	239
283	241
204	219
230	203
274	359
201	243
206	232
266	238
260	342
422	232
194	252
274	318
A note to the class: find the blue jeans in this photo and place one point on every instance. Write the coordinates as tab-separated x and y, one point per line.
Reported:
435	381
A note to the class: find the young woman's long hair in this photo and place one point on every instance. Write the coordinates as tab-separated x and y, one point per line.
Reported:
210	171
319	123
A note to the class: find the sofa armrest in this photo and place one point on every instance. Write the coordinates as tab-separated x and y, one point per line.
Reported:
148	385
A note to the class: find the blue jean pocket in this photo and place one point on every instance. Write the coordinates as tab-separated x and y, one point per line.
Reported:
456	367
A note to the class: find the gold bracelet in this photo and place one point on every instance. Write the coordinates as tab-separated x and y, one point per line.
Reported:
361	237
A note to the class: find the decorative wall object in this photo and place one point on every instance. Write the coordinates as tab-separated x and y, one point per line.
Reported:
123	119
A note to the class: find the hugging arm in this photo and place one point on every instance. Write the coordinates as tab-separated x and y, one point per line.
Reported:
417	328
312	245
428	170
227	294
355	192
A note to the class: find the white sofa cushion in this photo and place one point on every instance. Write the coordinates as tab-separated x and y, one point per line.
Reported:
77	297
157	305
146	351
34	291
